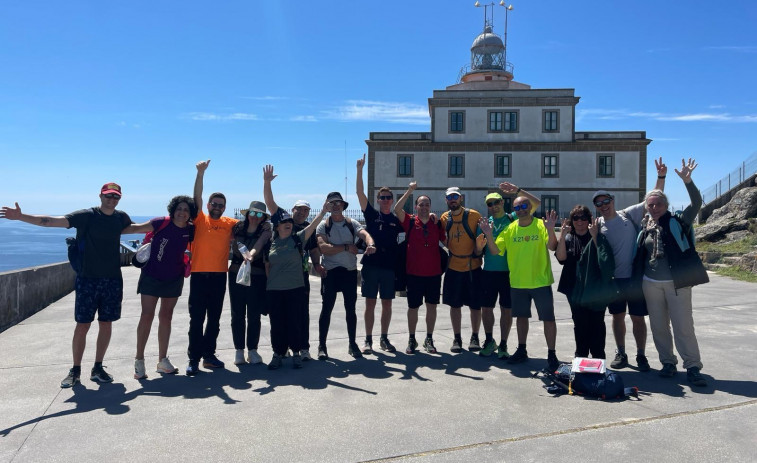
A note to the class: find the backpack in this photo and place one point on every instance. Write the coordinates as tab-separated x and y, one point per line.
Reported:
604	386
75	248
348	223
470	233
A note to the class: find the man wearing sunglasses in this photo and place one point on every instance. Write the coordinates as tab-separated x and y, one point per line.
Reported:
621	228
377	274
207	285
99	284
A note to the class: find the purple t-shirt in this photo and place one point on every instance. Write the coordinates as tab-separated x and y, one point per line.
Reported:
167	251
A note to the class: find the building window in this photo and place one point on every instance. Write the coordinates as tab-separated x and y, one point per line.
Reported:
404	165
409	204
456	165
511	121
550	203
457	121
605	165
551	120
495	121
550	165
507	206
502	164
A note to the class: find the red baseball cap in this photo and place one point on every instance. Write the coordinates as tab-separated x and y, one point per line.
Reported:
111	188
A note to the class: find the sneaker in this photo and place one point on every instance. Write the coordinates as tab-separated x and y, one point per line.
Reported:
139	369
502	353
166	367
386	345
253	357
620	361
323	354
70	380
489	348
239	357
297	360
668	370
457	346
193	367
474	345
412	344
428	344
275	362
305	354
211	361
367	348
643	363
695	377
552	363
520	356
354	351
100	375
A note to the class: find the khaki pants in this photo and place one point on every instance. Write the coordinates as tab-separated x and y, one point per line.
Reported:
667	305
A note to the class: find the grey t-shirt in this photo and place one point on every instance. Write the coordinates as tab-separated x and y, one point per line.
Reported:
285	269
340	235
621	232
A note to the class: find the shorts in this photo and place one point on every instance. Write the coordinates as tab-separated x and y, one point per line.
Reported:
150	286
98	295
462	288
627	294
373	279
420	288
495	284
543	300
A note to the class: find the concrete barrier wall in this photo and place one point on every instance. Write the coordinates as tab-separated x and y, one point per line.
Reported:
25	292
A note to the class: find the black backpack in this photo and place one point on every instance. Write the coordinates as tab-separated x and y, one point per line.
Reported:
604	386
347	223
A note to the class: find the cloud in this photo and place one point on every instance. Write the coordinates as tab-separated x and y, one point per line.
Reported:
735	48
303	119
612	114
200	116
366	110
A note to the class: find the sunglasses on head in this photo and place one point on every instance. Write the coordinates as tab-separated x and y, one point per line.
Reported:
112	196
493	203
580	217
218	205
385	197
520	207
603	202
453	196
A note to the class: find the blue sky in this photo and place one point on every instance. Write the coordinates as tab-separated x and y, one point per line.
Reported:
137	92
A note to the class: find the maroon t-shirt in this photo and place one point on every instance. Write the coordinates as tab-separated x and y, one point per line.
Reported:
423	246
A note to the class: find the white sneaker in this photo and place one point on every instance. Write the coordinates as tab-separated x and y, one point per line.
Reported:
253	356
166	367
139	369
305	354
239	357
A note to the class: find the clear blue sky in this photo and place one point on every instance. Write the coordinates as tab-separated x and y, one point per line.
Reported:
136	92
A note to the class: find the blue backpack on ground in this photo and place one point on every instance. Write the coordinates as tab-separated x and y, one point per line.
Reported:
604	386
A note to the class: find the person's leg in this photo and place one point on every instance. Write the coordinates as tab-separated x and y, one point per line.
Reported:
111	295
639	326
386	315
277	316
79	342
328	294
349	293
619	329
430	318
597	333
238	304
197	289
505	323
682	320
256	305
475	321
103	339
550	334
370	307
521	324
165	316
659	321
487	317
579	329
145	323
217	283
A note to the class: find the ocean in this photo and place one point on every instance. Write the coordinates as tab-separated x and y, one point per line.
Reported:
23	245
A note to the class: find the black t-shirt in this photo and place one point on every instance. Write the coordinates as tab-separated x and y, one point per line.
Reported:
574	247
102	237
384	229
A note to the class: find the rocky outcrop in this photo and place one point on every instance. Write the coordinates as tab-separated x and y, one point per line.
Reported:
731	218
748	262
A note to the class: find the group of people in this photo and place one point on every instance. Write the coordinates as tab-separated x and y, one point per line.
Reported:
641	257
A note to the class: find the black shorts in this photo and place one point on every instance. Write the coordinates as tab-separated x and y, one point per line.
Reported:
543	300
102	296
463	288
377	281
150	286
420	288
495	284
628	295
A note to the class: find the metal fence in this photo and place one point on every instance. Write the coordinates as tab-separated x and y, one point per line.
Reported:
747	168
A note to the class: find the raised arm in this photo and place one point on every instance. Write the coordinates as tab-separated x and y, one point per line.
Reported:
268	177
137	228
517	191
359	188
486	239
399	207
550	222
562	252
308	231
202	166
12	213
662	171
696	198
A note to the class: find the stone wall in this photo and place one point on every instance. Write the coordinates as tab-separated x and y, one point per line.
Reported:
27	291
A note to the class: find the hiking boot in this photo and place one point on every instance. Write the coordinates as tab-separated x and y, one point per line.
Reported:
367	348
193	367
489	348
695	377
520	356
642	363
474	345
275	362
239	357
386	345
668	370
502	352
552	363
412	344
70	380
211	361
253	357
166	367
100	375
457	346
305	354
139	369
428	344
620	361
323	354
354	351
297	360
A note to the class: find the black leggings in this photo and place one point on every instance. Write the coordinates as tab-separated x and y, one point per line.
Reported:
338	280
589	330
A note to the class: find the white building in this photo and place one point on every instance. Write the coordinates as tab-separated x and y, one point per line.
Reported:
487	129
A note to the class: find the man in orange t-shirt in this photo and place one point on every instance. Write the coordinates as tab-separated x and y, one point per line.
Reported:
207	285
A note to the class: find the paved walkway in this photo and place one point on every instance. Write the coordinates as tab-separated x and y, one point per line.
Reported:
385	407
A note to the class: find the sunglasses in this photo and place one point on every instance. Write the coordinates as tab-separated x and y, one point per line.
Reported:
603	202
112	196
520	207
385	197
218	205
452	197
493	203
580	217
256	214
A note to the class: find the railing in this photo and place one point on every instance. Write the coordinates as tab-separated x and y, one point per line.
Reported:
747	168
